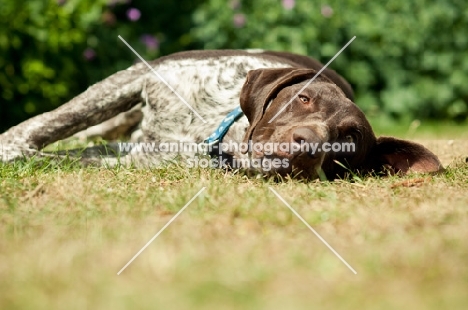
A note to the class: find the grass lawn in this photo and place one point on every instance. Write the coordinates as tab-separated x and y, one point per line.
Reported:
67	231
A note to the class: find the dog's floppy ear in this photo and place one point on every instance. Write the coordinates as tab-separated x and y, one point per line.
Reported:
404	156
262	85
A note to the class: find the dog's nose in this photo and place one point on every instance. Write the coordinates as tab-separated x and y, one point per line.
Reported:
308	140
304	135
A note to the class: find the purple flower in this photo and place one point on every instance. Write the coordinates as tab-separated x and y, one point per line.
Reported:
89	54
289	4
150	41
239	20
133	14
326	11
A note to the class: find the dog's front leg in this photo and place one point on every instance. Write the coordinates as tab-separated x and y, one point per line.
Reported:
118	93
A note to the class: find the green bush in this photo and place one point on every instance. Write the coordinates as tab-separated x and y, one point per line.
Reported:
408	59
51	50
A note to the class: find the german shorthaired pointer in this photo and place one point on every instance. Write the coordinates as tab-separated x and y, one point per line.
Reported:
214	83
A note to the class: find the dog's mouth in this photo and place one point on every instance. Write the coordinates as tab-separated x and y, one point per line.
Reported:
299	165
295	151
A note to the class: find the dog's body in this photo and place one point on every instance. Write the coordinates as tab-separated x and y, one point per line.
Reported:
213	83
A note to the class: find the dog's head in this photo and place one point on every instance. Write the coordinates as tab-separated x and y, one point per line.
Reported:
310	130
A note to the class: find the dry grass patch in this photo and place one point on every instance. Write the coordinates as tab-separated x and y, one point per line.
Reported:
67	231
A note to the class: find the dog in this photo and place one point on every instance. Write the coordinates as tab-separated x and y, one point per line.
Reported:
185	97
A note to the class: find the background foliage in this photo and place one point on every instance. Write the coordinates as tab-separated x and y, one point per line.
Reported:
51	50
408	59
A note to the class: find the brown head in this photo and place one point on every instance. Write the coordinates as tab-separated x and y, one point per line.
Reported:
320	130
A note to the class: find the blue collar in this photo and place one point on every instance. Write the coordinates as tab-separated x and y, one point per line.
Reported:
223	128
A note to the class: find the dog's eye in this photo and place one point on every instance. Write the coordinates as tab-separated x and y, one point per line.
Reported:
349	138
304	99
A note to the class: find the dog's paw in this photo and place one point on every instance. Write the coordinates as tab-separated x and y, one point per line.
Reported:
10	151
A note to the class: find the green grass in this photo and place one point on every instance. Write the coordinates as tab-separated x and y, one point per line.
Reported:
411	129
67	231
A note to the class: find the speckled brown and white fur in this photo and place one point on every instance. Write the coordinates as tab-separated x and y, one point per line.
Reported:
210	81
